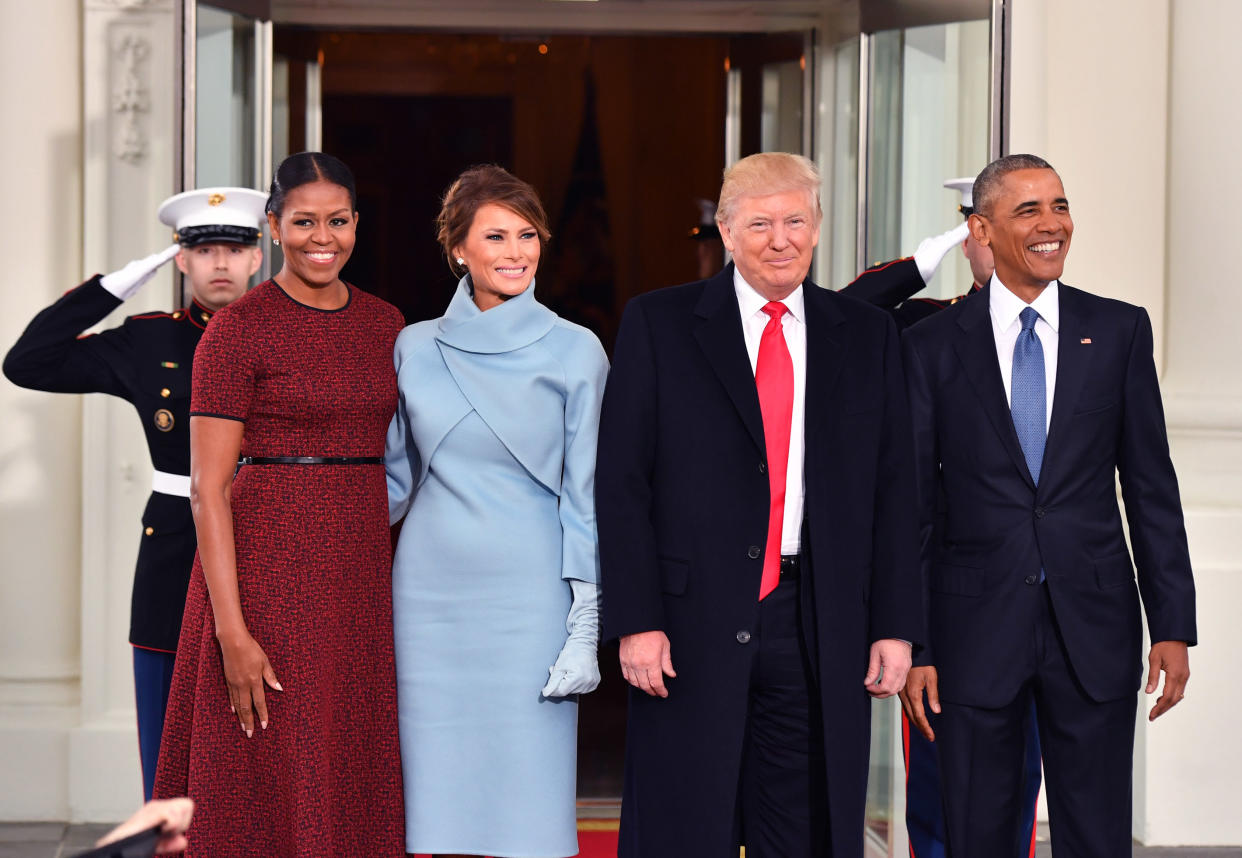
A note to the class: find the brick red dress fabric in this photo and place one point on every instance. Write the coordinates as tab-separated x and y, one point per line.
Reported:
314	569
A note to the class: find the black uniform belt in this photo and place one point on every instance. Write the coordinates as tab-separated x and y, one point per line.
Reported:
791	565
311	460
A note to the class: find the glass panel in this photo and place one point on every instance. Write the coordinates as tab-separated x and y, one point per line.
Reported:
781	117
224	99
835	263
929	122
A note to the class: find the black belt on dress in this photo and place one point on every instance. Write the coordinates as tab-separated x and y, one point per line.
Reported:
791	566
311	460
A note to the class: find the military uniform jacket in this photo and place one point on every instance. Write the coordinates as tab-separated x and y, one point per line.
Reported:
890	284
147	362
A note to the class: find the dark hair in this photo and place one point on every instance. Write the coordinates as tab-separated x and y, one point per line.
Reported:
304	168
477	187
987	185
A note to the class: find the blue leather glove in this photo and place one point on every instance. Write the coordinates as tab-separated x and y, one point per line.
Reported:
577	667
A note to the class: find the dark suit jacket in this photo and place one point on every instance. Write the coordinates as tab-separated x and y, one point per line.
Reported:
682	507
983	554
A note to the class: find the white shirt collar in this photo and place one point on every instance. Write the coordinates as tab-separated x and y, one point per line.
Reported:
751	303
1005	306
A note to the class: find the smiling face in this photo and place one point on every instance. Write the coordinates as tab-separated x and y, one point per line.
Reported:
772	239
1028	230
316	230
501	251
218	273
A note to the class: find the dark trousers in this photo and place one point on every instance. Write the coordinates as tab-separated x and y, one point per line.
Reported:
1088	751
152	679
782	797
925	807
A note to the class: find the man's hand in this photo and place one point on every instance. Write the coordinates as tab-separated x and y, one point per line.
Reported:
886	673
172	815
1174	660
646	660
919	680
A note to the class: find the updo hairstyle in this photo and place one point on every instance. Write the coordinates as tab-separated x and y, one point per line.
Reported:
476	188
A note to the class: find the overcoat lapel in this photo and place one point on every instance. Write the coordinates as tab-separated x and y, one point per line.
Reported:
825	356
719	334
976	349
1073	365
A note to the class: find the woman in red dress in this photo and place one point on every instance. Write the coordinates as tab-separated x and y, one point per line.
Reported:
281	721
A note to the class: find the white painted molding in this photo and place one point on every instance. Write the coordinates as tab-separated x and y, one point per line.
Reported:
132	97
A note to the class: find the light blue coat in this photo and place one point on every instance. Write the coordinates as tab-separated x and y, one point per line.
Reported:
491	459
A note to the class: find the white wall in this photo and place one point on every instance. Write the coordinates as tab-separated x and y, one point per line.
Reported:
85	174
39	435
1135	102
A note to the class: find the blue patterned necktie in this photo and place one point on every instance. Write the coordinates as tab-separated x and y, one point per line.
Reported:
1028	401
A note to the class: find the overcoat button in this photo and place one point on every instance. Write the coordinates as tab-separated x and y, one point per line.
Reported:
149	531
763	469
743	636
1039	512
1031	579
754	552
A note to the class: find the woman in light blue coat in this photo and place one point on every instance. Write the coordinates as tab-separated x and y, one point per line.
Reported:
492	456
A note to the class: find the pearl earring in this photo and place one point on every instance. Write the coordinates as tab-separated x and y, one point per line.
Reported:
276	241
461	261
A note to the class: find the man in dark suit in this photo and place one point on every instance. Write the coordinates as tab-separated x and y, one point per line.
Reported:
1028	400
755	505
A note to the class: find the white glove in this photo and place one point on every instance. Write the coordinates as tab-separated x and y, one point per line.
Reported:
577	667
932	250
126	282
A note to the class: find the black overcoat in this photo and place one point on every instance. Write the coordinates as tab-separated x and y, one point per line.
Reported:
682	507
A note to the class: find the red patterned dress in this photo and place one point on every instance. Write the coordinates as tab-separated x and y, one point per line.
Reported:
314	569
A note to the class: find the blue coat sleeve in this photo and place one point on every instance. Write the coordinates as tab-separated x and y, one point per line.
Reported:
585	379
401	462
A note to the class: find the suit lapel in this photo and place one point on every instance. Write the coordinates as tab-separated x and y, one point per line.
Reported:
719	334
825	355
976	349
1073	366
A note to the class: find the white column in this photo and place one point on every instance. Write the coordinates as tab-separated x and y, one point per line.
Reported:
128	99
1135	103
40	73
1192	761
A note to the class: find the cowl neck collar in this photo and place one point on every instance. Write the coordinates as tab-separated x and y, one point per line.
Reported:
509	326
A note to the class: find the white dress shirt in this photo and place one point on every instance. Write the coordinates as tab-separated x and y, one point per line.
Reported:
1005	308
793	325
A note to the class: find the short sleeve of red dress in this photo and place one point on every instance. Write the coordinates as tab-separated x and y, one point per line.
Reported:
224	368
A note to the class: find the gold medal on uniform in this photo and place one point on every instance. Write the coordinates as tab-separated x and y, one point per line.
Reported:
164	420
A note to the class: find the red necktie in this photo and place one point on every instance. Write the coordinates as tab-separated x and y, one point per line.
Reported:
775	382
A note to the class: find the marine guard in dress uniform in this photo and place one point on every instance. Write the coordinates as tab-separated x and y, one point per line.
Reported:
147	362
891	284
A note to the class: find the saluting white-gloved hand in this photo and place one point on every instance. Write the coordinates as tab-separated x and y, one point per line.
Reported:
577	667
125	283
932	250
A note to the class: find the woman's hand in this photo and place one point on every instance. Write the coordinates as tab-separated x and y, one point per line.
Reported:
246	668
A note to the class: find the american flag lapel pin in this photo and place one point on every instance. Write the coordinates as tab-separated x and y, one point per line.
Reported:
1086	341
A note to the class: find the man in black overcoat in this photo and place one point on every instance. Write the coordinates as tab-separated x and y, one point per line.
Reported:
756	517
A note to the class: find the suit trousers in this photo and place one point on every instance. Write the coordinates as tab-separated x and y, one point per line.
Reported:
782	797
1088	750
